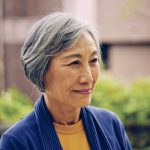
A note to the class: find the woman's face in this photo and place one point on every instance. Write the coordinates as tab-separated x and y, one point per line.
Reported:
72	74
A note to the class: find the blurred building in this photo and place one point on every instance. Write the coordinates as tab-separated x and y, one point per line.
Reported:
124	29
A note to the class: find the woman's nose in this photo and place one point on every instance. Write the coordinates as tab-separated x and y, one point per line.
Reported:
86	76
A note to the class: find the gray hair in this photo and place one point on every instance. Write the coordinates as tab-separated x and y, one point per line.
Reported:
48	37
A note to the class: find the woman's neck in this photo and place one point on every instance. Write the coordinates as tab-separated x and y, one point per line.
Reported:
62	114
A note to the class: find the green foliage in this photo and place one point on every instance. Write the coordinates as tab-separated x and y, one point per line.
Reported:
13	106
131	103
137	106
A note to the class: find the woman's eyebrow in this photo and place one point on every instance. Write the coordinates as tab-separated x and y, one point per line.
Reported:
95	52
73	56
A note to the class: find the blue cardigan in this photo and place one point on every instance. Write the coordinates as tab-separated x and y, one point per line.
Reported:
36	131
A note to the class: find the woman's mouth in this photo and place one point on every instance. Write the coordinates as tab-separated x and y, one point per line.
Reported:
84	91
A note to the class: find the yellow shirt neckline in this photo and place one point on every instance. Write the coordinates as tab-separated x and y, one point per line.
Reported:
69	129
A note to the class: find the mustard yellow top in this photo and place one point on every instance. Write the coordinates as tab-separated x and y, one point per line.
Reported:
72	137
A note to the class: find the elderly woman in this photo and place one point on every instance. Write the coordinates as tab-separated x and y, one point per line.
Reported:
61	57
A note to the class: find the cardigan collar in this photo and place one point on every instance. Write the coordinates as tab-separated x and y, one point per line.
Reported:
48	135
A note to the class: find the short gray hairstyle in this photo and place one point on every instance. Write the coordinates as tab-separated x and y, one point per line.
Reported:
48	37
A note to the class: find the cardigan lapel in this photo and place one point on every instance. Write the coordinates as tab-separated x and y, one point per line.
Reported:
95	134
48	135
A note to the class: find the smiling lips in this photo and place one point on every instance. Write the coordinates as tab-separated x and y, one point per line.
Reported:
84	91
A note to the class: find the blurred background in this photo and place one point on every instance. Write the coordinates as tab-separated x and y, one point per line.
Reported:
124	31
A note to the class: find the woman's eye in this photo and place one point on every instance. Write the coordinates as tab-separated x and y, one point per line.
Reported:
95	60
75	63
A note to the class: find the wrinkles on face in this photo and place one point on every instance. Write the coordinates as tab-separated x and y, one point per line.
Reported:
73	73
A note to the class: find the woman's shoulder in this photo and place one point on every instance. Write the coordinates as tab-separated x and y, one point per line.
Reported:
110	124
22	128
22	134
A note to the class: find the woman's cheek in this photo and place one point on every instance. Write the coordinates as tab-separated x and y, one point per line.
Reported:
96	73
